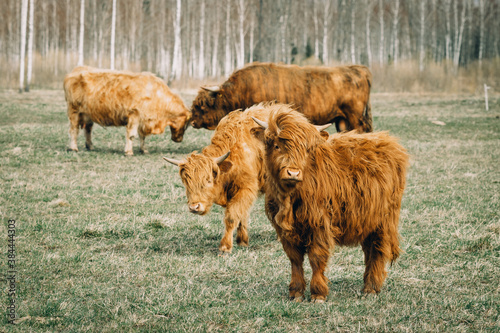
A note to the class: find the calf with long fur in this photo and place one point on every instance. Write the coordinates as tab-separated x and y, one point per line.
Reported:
339	95
345	190
140	101
229	172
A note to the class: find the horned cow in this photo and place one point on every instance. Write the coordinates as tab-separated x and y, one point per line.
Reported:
140	101
339	95
345	190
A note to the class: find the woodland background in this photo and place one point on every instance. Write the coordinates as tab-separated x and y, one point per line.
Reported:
426	45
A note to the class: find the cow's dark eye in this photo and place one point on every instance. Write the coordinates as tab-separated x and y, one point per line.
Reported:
276	147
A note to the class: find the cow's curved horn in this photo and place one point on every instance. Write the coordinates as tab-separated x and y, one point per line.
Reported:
214	89
221	159
322	127
173	161
261	123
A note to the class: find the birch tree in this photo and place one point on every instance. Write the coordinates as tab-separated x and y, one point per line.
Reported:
368	35
113	32
459	34
30	44
176	63
422	34
326	19
241	46
481	31
353	47
201	57
395	38
82	29
381	19
227	59
22	42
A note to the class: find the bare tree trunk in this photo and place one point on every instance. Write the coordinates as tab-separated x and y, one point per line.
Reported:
201	57
422	34
82	29
395	21
113	33
251	41
459	34
30	44
447	6
22	53
241	20
228	61
316	37
177	61
368	36
381	19
434	31
481	31
326	19
353	47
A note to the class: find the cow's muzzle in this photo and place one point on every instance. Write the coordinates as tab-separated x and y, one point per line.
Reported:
197	208
291	175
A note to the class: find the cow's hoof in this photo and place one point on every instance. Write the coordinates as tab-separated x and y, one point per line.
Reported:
318	299
144	151
224	249
224	254
89	147
72	149
242	242
296	297
129	153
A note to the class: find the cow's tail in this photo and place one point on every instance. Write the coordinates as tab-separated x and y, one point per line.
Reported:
367	117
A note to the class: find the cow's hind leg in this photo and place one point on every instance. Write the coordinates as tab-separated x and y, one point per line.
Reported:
88	134
378	251
142	139
132	132
298	283
319	253
237	216
74	126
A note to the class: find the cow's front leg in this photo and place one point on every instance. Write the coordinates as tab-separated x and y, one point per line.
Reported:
132	132
296	255
318	253
237	216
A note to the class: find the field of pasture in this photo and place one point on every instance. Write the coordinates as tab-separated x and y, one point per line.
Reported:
105	242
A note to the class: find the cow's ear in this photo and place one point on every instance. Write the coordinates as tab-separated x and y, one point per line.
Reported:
225	166
324	134
258	132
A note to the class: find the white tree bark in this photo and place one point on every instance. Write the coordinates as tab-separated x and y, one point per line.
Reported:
215	43
30	44
326	19
82	30
459	34
251	41
316	37
113	33
201	58
381	19
228	60
447	6
241	20
22	53
353	32
481	31
422	35
368	35
395	21
176	62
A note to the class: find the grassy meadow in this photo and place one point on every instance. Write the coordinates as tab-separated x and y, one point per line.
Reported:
105	242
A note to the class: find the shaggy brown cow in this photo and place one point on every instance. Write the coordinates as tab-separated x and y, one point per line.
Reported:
320	193
140	101
232	180
323	94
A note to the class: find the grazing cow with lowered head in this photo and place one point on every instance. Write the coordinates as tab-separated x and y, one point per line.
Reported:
339	95
345	190
140	101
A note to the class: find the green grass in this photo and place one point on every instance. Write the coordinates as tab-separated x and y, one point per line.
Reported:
105	242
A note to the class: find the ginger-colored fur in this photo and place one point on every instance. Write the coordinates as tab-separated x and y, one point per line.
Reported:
350	194
339	95
140	101
236	182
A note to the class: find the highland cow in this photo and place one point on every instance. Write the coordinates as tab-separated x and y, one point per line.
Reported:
140	101
339	95
345	190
